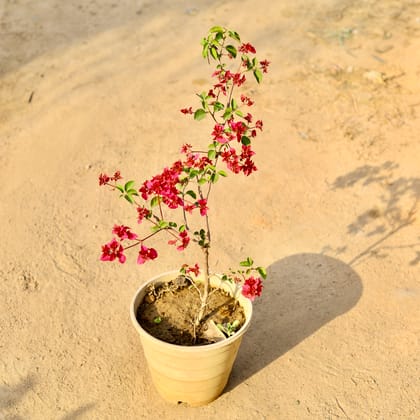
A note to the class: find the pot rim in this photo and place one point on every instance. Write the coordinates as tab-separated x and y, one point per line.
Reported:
245	303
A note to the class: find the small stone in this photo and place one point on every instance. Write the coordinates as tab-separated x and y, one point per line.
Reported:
382	49
374	76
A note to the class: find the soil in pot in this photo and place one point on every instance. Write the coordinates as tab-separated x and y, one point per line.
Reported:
168	312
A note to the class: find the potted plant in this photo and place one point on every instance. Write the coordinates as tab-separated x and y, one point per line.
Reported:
191	321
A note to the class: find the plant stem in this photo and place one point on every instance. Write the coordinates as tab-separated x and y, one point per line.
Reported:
205	295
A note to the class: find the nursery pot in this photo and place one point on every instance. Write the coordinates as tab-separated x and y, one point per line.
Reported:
195	375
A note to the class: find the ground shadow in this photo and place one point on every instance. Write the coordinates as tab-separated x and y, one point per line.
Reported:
10	396
302	293
395	209
79	412
35	29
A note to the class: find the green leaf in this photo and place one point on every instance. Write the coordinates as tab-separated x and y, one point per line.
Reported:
155	201
239	113
211	154
231	50
227	114
234	35
216	29
128	198
262	272
182	228
199	114
120	188
214	53
163	225
258	75
128	185
192	194
222	173
218	106
214	177
157	320
132	192
247	263
245	141
218	37
194	173
202	181
233	104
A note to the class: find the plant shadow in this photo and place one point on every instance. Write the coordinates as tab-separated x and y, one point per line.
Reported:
302	293
79	412
11	395
395	210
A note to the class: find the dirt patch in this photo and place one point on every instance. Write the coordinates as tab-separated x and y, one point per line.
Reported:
168	312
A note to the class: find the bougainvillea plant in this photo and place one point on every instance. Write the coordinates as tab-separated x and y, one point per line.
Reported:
185	186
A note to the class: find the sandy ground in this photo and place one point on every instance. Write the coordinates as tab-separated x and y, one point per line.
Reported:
89	86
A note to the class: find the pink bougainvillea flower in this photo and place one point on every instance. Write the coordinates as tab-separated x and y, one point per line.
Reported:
117	176
123	232
185	240
186	148
248	117
246	100
218	134
247	48
189	207
187	110
164	185
211	94
231	159
238	79
252	288
146	254
239	128
264	65
112	250
195	269
202	205
259	125
103	179
142	213
194	160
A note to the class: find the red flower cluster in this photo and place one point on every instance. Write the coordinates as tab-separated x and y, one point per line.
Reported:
123	232
104	178
239	163
187	110
224	77
247	48
246	100
146	254
113	250
164	185
264	65
195	269
142	213
202	205
252	288
183	238
194	160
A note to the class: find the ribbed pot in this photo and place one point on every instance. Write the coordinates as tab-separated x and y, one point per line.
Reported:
195	375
